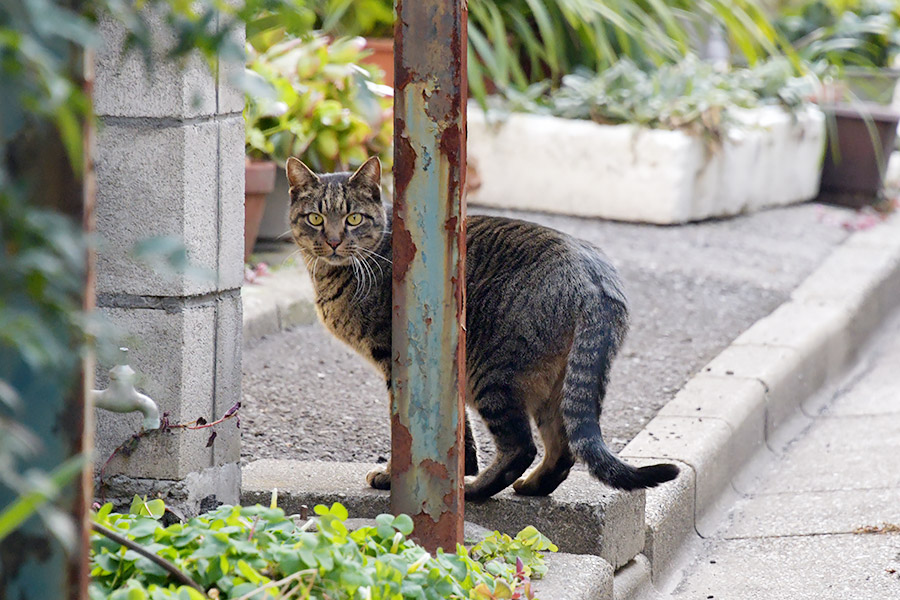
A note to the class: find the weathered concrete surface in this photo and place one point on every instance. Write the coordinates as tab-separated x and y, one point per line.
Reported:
632	173
170	163
801	533
278	301
575	577
693	289
581	517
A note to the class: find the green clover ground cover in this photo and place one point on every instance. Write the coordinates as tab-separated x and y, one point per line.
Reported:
259	553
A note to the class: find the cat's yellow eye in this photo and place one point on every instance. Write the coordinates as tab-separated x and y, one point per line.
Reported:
354	219
315	219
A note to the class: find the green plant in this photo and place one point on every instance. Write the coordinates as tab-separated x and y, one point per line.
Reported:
44	330
520	42
327	110
691	95
369	18
257	552
847	32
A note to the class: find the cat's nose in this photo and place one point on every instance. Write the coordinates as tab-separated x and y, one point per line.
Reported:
333	243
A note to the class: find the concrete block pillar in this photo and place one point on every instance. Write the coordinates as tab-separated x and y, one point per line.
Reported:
170	162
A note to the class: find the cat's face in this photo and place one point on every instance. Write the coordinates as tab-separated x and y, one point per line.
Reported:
336	217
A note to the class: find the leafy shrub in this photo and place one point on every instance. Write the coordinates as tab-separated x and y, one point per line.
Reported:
327	109
257	552
371	18
854	32
691	95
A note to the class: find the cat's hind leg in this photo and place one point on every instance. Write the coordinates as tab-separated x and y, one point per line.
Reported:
471	450
558	458
380	479
506	419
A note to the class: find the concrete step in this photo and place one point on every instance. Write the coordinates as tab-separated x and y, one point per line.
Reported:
581	517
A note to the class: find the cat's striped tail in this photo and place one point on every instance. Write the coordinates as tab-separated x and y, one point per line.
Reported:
587	373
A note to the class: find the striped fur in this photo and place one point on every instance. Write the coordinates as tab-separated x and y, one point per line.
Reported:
545	317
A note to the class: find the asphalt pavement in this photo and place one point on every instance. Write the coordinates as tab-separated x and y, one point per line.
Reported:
692	288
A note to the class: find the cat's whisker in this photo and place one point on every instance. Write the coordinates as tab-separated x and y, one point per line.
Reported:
358	272
371	276
292	255
365	259
373	253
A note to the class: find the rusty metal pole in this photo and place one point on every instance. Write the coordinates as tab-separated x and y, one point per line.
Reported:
429	239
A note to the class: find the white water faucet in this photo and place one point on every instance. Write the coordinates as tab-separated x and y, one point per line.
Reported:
121	396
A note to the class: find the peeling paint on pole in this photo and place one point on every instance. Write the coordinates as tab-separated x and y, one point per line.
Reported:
429	263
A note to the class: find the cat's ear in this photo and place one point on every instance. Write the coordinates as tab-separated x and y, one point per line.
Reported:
298	174
369	172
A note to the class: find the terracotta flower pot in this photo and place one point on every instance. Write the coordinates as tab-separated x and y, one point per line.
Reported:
259	181
865	133
382	57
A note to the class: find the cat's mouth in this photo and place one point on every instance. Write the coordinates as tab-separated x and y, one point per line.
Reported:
335	259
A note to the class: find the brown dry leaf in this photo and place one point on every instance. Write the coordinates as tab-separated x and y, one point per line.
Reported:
883	528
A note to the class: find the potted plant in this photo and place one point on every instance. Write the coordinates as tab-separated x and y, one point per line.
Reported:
259	181
675	144
860	40
322	107
371	19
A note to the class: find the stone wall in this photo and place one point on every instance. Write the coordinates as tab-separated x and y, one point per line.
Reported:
169	162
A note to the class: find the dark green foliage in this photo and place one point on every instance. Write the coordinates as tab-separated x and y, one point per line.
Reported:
854	32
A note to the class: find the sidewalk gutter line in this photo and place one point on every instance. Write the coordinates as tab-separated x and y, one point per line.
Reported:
759	382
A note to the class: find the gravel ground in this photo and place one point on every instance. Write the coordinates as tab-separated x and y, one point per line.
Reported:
692	290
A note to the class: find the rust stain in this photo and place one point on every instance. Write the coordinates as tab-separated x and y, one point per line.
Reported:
401	447
450	223
434	468
404	248
427	530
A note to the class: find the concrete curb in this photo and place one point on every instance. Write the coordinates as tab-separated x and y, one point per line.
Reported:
280	300
582	576
581	517
729	410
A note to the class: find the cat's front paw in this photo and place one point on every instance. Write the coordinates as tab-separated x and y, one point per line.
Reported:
379	479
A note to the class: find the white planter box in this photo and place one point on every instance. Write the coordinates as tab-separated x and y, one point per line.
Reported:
632	173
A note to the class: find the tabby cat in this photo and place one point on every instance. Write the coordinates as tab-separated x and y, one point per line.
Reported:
545	316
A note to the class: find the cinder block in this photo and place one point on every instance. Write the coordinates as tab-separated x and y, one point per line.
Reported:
575	577
156	181
174	354
309	483
581	517
230	97
633	580
199	492
231	203
125	87
669	517
739	402
227	445
702	443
